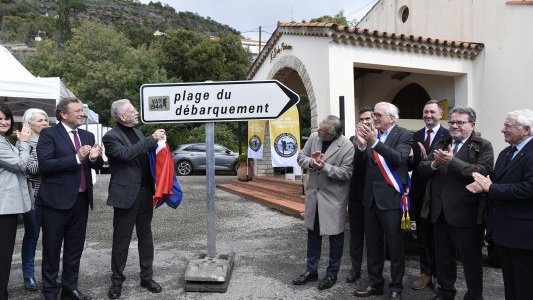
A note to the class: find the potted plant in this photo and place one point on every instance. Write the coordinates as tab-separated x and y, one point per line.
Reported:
244	168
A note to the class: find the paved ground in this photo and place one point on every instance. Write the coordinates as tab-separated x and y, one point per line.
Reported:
270	252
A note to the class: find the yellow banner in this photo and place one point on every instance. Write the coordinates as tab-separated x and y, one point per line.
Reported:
285	138
256	138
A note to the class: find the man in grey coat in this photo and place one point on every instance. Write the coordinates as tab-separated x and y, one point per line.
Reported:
328	158
131	189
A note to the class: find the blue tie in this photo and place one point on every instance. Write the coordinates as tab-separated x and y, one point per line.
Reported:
456	146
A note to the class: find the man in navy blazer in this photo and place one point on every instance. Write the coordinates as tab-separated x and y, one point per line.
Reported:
423	143
511	204
66	154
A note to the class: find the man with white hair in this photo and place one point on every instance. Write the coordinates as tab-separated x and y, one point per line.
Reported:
384	152
131	189
511	204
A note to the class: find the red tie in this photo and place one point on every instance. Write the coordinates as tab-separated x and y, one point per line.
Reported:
77	145
427	141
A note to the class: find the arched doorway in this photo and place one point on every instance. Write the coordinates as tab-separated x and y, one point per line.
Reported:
410	100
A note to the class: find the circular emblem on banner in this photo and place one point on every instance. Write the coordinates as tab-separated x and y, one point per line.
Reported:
255	143
285	145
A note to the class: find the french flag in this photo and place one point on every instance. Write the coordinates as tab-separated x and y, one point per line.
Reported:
167	188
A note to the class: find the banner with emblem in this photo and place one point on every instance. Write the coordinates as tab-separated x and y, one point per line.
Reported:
285	138
256	138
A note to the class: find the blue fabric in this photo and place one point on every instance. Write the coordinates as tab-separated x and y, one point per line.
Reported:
32	228
173	200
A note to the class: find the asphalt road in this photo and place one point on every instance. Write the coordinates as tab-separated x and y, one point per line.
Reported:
270	251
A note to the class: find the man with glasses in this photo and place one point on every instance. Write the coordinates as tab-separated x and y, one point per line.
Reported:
424	141
454	210
328	157
386	144
511	214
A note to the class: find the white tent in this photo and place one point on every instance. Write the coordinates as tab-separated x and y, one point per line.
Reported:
20	90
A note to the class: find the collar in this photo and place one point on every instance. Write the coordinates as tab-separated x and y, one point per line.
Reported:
386	132
523	144
67	128
435	129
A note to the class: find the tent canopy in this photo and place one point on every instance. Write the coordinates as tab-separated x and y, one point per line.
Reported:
20	90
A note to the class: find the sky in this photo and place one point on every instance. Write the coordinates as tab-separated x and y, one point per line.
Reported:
247	15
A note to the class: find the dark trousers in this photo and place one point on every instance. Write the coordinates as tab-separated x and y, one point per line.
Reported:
32	229
467	240
517	269
424	236
314	248
140	216
380	224
67	228
8	232
357	234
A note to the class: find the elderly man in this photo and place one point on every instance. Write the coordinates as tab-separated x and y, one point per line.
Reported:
131	189
455	211
511	214
328	157
386	145
424	141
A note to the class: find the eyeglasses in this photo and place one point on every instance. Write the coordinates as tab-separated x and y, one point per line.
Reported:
378	115
323	131
458	123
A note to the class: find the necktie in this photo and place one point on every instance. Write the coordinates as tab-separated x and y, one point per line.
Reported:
77	145
427	141
510	154
456	146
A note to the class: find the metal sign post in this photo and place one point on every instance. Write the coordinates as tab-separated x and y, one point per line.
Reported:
211	102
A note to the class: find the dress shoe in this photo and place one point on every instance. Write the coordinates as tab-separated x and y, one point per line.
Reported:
421	282
152	286
327	282
395	296
30	284
74	295
352	277
114	291
369	291
305	278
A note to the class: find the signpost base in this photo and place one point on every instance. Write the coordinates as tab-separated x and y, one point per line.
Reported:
206	274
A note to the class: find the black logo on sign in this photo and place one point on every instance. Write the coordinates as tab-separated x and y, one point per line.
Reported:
255	143
285	145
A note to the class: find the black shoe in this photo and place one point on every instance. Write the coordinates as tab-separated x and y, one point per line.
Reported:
74	295
30	284
352	277
369	291
152	286
305	278
327	282
114	291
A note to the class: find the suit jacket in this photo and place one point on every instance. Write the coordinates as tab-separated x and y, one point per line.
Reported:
125	169
60	172
395	151
511	214
15	198
448	183
328	188
418	183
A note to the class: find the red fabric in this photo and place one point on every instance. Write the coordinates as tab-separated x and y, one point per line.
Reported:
164	174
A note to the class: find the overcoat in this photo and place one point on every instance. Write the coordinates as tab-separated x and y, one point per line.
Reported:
15	198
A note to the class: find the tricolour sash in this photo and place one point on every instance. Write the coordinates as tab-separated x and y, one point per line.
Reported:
393	180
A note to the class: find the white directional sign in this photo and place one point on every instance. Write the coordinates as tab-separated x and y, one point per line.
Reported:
215	101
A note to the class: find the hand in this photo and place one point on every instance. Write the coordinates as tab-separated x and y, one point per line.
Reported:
442	157
475	188
423	154
159	134
359	141
84	151
482	181
25	134
95	152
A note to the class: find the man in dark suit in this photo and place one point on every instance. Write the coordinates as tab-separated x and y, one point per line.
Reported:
355	204
423	143
511	203
131	189
66	154
454	210
382	201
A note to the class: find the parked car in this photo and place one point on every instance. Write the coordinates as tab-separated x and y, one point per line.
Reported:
192	157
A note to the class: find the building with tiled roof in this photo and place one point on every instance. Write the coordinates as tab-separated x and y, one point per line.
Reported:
468	53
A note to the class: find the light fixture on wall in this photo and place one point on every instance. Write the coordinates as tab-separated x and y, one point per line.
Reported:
399	75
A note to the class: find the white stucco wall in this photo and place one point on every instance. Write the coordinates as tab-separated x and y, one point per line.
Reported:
502	73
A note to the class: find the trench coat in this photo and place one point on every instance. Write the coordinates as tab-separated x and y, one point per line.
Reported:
328	189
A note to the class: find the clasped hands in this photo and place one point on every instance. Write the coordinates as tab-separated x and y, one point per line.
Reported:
442	157
317	162
481	183
365	135
93	151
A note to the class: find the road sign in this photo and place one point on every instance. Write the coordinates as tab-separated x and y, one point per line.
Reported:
215	101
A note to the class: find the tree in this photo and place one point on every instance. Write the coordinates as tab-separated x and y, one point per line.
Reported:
338	19
63	23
